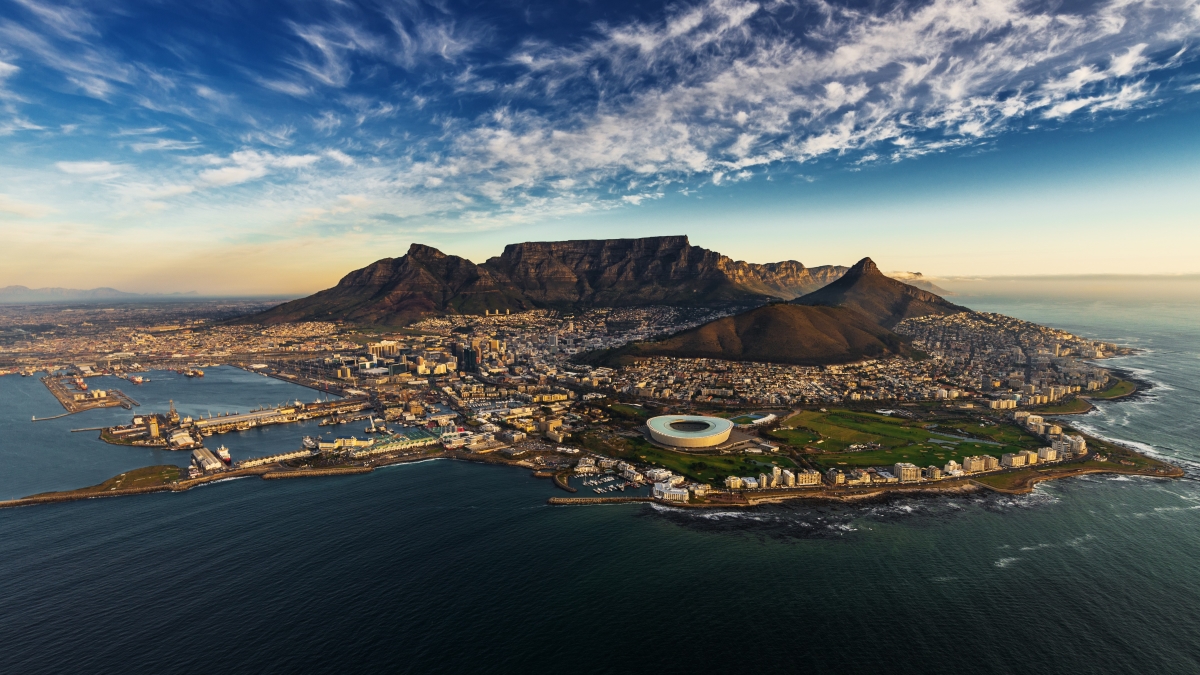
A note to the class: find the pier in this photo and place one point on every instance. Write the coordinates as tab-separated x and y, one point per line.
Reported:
79	399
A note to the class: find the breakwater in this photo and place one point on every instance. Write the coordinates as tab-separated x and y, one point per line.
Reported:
314	473
580	501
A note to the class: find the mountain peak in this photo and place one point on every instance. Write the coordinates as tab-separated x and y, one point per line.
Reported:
422	251
864	266
886	300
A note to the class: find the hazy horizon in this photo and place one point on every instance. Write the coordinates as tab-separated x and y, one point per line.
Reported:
1111	287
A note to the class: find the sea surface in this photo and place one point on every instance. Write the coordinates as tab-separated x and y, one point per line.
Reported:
450	567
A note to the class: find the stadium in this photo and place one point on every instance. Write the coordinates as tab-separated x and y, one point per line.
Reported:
689	431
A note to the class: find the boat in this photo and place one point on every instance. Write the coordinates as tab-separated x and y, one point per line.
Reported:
223	453
137	379
309	443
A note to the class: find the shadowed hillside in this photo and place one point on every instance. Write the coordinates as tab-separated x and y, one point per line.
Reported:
777	333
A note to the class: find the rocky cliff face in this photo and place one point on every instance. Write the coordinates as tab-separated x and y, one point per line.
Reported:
564	274
625	272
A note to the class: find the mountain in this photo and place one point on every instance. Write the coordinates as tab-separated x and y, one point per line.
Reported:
563	275
396	291
651	270
887	301
22	294
776	333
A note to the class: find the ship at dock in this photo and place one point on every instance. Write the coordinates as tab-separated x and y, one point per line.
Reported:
223	454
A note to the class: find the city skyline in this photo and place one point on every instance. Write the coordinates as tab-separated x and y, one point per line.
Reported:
272	149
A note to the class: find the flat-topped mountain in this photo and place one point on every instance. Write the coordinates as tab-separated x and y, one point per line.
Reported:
564	275
777	333
887	301
651	270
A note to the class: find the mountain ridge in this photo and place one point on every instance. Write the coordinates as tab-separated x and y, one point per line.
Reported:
572	274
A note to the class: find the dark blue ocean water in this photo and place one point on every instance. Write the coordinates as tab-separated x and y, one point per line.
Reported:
453	567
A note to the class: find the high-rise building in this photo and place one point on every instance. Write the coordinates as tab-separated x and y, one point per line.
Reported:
906	472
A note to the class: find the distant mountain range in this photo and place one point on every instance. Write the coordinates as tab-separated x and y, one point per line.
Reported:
560	275
21	294
847	320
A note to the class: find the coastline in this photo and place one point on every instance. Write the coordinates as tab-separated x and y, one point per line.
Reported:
1027	481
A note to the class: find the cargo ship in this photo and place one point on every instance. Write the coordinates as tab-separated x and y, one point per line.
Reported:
223	453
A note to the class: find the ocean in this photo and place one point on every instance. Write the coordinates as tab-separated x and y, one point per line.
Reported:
453	567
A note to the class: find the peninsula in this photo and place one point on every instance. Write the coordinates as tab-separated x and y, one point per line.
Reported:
835	383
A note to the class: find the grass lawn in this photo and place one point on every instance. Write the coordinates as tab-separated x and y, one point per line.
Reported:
745	419
922	455
797	438
710	469
1121	388
900	439
629	411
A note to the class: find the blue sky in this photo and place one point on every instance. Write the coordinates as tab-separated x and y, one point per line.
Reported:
271	147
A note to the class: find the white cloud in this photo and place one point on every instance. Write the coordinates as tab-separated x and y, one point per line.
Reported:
232	175
164	144
340	157
89	168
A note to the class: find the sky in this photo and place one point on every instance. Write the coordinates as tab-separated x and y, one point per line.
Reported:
271	147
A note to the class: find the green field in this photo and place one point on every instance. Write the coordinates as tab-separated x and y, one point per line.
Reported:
797	438
900	440
632	412
744	419
711	469
1121	388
